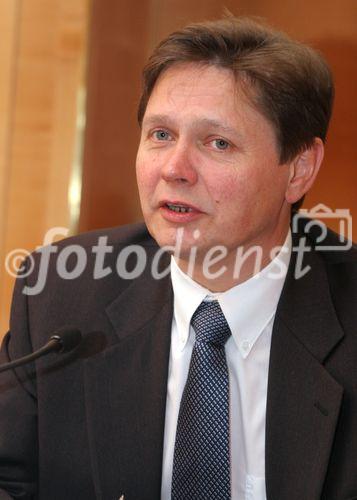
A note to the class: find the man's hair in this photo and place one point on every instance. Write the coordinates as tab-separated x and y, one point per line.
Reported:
286	81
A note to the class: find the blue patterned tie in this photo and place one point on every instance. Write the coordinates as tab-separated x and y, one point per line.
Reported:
201	466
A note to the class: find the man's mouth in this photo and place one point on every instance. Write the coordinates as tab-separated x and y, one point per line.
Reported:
178	208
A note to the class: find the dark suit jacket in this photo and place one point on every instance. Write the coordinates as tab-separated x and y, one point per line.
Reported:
89	424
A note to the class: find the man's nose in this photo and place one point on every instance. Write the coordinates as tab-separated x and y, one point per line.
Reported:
179	166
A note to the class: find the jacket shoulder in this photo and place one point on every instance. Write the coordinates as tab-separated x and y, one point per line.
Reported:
119	236
331	247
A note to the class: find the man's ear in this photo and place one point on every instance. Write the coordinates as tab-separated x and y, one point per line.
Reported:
303	171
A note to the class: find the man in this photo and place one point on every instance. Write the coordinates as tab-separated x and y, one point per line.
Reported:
231	376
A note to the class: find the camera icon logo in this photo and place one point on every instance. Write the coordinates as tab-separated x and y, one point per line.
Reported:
320	213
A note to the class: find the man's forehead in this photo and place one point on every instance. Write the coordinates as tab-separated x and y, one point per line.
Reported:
199	84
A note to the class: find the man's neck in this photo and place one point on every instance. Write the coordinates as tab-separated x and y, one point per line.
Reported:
235	268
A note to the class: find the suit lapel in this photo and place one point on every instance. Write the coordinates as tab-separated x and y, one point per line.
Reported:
126	393
303	398
126	390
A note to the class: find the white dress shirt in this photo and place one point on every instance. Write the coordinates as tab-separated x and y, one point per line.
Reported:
249	309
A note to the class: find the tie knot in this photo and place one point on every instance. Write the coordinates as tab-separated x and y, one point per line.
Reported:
209	324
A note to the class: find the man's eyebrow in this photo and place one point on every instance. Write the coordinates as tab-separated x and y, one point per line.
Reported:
156	119
197	123
216	124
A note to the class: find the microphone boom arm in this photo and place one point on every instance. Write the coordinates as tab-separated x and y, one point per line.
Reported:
65	341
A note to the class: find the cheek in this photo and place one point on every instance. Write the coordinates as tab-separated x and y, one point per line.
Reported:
146	174
252	188
239	197
217	180
229	189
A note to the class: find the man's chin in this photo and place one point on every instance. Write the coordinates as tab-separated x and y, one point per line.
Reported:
174	239
180	249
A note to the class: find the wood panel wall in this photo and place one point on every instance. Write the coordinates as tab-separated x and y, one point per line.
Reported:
41	59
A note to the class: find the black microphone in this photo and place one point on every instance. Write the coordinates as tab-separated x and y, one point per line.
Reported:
64	340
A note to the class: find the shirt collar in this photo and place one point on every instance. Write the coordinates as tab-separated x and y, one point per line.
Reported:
248	307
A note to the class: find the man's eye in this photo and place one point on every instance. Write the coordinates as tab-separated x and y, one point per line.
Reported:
161	135
220	144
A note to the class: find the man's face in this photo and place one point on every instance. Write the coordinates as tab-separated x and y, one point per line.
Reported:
208	160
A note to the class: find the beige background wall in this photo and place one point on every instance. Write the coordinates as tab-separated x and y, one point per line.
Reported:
42	55
41	58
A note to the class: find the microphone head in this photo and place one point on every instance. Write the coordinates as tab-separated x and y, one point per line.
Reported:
68	338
